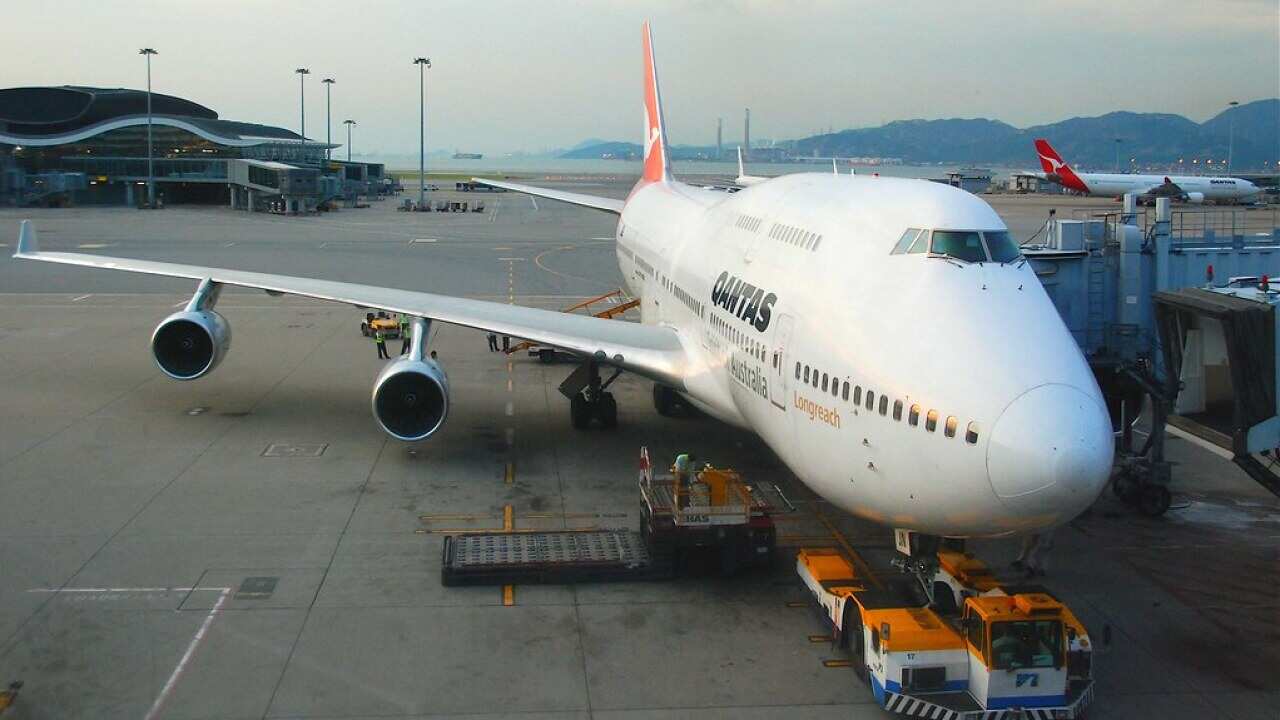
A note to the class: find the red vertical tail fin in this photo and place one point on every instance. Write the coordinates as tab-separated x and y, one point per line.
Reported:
1055	166
656	165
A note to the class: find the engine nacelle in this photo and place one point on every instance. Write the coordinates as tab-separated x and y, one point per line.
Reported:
191	343
411	398
1195	198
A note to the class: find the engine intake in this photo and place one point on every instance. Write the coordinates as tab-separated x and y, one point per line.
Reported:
191	343
411	399
1195	198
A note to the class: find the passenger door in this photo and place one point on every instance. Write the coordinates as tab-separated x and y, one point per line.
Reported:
778	362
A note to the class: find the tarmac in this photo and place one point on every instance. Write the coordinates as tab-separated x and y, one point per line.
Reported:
250	545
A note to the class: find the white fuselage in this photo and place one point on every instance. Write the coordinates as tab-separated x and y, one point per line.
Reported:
980	343
1212	189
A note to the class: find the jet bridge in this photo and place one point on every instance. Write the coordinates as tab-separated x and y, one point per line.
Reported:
1103	273
1220	358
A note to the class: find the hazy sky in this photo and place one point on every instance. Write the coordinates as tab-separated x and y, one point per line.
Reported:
534	75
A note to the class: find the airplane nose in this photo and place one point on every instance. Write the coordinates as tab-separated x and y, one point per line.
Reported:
1050	453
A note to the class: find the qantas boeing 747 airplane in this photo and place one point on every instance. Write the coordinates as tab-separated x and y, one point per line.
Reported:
883	336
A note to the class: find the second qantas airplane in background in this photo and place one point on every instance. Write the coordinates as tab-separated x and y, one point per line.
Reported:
883	336
1188	188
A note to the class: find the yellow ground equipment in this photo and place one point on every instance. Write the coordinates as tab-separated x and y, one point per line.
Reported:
373	322
548	354
10	695
987	652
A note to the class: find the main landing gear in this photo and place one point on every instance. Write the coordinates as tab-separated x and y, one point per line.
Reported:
589	398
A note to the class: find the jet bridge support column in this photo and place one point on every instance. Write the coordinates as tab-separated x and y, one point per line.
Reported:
1162	239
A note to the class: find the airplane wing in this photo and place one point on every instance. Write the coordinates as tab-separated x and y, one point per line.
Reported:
591	201
649	350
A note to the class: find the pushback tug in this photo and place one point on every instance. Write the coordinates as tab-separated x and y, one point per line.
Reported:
980	651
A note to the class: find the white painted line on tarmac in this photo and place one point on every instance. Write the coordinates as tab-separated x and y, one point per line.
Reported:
511	409
535	202
511	437
426	240
508	259
94	246
186	656
101	590
82	297
602	238
233	243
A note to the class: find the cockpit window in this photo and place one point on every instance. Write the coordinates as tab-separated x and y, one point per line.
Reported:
905	241
921	245
1001	246
963	245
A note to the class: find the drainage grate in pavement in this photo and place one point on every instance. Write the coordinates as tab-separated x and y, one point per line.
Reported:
257	588
295	450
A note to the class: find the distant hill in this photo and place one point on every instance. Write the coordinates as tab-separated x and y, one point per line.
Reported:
1085	142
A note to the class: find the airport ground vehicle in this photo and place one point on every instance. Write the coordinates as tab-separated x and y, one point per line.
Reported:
979	651
715	524
373	322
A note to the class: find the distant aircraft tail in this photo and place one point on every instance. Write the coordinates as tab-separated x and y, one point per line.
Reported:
1055	167
656	164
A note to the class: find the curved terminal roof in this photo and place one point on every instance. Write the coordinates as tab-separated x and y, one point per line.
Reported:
47	116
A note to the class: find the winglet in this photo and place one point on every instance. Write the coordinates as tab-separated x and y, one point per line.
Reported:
741	170
656	164
27	240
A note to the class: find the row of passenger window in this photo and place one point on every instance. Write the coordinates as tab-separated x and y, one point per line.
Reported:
964	245
749	223
841	389
684	297
729	332
799	237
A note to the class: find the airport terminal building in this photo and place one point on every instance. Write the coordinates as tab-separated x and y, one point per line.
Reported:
67	144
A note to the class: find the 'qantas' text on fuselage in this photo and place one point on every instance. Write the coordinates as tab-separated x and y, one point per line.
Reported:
746	301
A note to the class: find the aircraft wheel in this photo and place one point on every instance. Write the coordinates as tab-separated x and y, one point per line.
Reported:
1154	500
364	329
1125	486
607	410
579	412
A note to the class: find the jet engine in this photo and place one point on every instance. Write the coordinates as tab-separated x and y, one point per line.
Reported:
191	343
1195	198
411	398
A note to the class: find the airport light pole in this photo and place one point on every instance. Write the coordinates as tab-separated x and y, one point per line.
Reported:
349	124
328	137
1231	134
423	64
151	175
302	107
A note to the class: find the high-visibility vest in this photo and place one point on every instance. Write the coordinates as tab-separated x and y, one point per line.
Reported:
380	338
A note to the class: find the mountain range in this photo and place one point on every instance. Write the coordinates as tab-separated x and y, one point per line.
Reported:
1086	142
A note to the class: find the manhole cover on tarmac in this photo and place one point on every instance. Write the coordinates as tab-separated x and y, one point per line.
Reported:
295	450
257	588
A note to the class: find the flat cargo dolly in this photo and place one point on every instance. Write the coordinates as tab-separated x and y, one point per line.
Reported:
553	557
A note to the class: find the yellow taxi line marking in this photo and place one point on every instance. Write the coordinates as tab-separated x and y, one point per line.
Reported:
837	663
508	524
796	604
819	638
508	384
510	474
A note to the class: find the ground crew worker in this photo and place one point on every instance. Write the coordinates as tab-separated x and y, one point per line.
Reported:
493	342
1034	558
404	334
683	476
380	338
